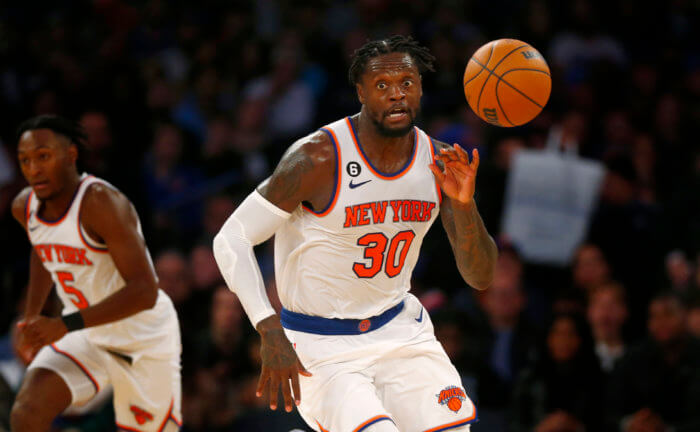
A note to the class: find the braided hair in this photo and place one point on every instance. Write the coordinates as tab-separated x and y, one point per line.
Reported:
59	125
403	44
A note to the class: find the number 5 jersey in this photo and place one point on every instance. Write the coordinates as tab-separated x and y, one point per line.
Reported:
354	258
84	274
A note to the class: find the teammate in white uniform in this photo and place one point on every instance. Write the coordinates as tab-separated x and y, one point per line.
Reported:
117	327
349	206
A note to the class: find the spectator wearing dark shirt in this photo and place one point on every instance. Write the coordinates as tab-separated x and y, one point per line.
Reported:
656	387
561	392
505	341
607	313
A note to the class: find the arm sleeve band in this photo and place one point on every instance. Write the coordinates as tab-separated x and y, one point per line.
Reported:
254	221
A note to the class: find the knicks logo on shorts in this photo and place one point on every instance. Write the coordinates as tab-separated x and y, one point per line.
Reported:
453	397
364	325
141	415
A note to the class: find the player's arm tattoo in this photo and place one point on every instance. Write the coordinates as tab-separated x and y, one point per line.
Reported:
473	248
303	174
278	353
287	178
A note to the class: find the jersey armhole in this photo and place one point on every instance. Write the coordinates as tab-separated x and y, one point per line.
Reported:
26	209
90	243
433	152
336	177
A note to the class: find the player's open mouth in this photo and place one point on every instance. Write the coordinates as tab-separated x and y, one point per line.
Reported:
42	185
396	114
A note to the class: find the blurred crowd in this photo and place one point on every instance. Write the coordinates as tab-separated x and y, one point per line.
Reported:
189	105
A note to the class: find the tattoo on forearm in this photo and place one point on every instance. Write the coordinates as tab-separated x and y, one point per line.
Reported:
475	251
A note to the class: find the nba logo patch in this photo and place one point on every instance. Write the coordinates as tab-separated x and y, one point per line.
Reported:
453	397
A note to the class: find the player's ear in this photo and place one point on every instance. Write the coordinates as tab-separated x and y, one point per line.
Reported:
360	93
73	153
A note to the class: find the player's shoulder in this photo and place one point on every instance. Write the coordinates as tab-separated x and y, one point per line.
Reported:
102	198
19	204
313	154
307	163
317	146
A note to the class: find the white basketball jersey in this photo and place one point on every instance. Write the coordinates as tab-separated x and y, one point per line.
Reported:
354	259
84	274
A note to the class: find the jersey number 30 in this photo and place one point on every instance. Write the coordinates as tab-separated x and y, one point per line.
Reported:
77	297
376	247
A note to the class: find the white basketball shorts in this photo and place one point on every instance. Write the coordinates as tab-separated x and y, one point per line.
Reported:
147	391
397	372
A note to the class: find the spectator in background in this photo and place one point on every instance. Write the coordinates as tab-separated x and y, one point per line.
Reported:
607	312
171	187
208	98
506	342
175	279
205	279
494	176
590	269
626	230
221	360
454	335
289	100
202	266
216	210
678	272
217	155
644	159
99	157
693	318
561	392
656	387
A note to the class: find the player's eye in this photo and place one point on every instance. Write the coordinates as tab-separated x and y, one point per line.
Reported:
381	86
44	156
407	83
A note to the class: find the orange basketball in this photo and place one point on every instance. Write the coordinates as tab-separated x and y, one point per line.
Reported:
507	82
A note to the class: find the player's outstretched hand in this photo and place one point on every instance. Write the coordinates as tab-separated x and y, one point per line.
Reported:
39	330
280	365
457	179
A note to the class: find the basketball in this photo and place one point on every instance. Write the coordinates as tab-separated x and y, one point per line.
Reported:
507	82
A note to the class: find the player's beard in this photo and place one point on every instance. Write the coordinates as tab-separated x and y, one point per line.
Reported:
396	132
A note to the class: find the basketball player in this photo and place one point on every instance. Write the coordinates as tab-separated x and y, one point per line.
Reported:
117	326
349	206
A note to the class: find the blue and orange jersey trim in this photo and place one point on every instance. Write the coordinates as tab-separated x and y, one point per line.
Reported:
80	365
336	183
372	421
375	171
433	152
26	209
59	220
87	243
170	416
471	419
85	238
